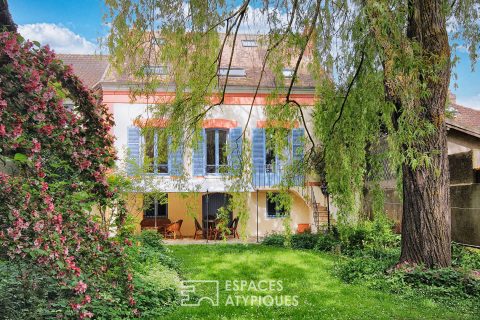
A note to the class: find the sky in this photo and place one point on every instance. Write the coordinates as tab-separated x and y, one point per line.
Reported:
74	26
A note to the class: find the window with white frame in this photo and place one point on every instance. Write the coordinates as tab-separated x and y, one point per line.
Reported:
274	209
216	156
156	70
249	43
155	206
287	72
155	151
234	72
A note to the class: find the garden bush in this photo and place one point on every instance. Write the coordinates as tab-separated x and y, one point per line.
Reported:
327	242
451	280
305	240
53	166
464	257
274	239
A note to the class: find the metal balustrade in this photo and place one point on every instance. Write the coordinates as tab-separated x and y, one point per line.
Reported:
275	175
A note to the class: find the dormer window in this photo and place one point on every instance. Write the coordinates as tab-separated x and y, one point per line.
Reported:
234	72
287	72
156	70
249	43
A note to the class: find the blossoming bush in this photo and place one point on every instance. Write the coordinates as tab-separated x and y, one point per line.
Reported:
53	162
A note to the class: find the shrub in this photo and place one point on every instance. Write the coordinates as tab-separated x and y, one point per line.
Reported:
150	249
305	240
359	268
327	242
151	239
464	257
447	279
54	164
157	291
274	239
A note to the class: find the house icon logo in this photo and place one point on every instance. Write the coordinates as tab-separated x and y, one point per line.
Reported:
195	292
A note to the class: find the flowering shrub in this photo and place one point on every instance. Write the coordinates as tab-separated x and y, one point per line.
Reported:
53	162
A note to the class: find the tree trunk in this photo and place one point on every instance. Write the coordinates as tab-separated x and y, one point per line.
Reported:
6	21
426	236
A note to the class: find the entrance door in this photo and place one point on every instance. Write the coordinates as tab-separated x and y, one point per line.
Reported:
210	204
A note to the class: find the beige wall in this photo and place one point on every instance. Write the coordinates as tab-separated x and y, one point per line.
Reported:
461	142
300	213
186	208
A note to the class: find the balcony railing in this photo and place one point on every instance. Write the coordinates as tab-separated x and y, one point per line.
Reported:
275	175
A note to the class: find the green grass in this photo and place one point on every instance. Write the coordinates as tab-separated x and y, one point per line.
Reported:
305	274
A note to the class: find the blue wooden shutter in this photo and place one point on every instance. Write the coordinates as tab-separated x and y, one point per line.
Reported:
133	145
235	148
297	151
199	157
175	159
297	144
258	156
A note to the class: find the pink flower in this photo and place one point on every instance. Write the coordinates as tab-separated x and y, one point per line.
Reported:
3	132
85	164
17	131
39	116
39	226
81	287
36	146
47	129
21	224
75	306
87	299
86	314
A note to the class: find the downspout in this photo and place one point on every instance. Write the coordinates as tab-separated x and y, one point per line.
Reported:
257	215
208	223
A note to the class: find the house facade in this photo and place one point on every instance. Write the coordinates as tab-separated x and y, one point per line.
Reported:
194	181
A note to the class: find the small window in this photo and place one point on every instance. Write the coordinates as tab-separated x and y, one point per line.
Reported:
156	70
234	72
287	72
249	43
155	206
273	209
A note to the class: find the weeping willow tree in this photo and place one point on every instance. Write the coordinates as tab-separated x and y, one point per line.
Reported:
381	71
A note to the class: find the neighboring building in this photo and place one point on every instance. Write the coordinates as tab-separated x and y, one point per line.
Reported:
222	126
463	137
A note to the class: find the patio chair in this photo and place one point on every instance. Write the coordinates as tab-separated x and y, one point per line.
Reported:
173	229
198	228
214	231
233	228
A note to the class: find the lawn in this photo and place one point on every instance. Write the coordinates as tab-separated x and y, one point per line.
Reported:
307	275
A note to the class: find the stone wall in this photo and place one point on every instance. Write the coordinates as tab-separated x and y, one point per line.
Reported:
464	199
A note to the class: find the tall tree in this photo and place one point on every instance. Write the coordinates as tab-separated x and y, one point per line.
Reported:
6	21
379	67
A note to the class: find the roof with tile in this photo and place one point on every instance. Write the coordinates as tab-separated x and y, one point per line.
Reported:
463	118
248	58
89	68
466	117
